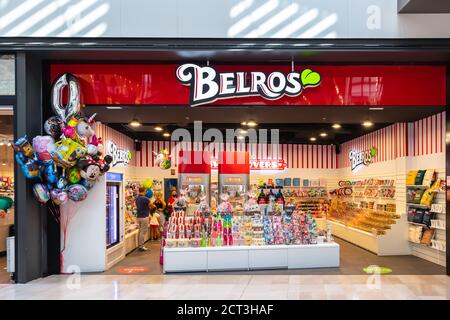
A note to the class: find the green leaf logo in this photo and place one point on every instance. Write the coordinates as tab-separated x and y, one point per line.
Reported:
309	78
373	151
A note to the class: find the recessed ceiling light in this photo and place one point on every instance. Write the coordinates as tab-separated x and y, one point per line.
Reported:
376	108
166	134
336	126
323	134
367	124
158	128
135	123
252	123
114	107
312	139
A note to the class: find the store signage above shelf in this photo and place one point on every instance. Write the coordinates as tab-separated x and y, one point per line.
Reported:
207	85
365	157
120	156
259	164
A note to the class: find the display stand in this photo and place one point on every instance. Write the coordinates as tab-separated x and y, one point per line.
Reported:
251	257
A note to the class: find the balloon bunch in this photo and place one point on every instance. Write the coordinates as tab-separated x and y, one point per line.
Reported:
163	159
68	160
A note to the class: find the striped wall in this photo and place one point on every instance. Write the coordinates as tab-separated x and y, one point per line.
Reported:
422	137
121	140
427	136
296	156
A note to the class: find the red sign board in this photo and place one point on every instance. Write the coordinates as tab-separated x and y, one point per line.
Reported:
157	84
259	164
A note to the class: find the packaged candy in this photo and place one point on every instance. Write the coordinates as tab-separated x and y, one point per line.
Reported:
411	178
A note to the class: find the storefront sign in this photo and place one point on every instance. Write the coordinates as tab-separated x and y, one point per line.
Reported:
120	156
358	158
207	85
259	164
343	85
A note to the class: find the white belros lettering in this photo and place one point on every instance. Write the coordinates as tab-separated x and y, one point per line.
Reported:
120	156
207	85
358	158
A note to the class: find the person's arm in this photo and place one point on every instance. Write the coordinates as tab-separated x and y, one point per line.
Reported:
163	204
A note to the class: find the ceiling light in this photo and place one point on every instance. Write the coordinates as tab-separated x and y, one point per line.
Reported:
9	144
252	123
367	124
241	137
323	134
336	126
376	108
244	123
242	131
2	143
312	139
3	163
114	108
135	123
166	134
158	128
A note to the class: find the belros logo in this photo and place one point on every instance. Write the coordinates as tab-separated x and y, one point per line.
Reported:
207	85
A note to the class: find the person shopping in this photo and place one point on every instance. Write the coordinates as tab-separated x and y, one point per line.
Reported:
154	223
143	206
160	205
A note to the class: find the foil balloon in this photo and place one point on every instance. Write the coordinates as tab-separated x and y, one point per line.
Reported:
29	167
41	193
49	174
163	159
74	175
40	146
53	126
62	183
73	105
58	196
77	192
88	184
69	132
23	146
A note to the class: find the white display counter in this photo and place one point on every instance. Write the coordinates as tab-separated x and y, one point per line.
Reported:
251	257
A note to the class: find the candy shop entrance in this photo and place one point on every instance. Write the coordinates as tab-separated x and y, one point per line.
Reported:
317	189
371	209
355	179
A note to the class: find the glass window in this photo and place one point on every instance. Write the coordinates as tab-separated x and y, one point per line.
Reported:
7	75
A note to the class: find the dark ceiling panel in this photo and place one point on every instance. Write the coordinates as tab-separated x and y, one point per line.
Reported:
296	124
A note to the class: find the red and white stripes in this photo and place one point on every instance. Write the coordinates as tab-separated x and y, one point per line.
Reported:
427	136
423	137
121	140
295	155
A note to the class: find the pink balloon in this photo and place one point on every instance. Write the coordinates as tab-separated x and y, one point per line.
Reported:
69	132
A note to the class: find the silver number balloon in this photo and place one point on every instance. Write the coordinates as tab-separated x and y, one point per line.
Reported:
73	105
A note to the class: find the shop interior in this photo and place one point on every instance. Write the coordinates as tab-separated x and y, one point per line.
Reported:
6	185
377	212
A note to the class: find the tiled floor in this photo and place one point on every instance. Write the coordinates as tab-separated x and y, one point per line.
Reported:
353	260
214	286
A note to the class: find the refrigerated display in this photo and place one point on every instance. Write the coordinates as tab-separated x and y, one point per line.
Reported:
234	177
194	178
114	213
